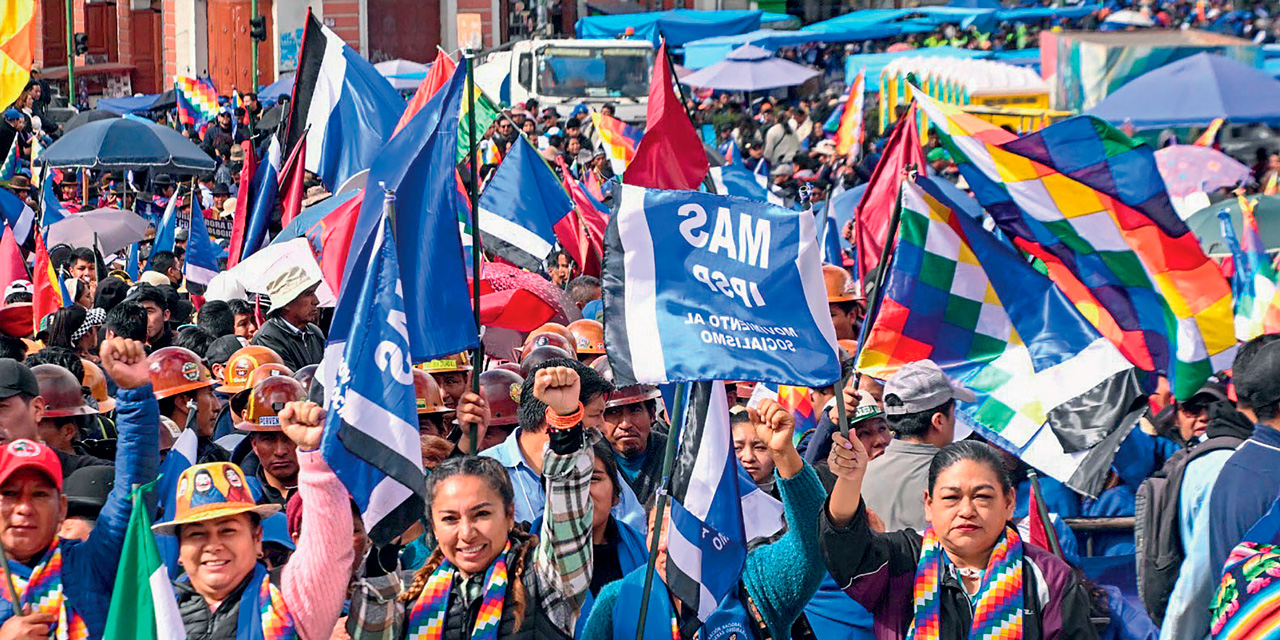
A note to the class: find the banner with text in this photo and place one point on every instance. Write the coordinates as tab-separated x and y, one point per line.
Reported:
705	287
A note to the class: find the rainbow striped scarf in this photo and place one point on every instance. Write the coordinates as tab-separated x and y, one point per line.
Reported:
998	612
42	592
427	618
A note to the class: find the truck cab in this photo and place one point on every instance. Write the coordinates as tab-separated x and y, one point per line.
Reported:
565	73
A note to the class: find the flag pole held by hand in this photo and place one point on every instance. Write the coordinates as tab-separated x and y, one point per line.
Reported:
668	461
8	582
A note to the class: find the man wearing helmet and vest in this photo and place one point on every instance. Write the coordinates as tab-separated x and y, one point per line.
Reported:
185	392
272	467
34	504
845	303
453	374
290	328
629	416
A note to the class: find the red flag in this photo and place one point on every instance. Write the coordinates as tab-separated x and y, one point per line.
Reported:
47	295
12	266
242	205
330	239
670	155
871	221
291	180
439	74
582	231
1043	534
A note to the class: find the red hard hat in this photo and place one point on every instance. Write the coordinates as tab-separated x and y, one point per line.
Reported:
427	395
265	401
588	336
548	339
540	355
501	389
625	395
175	370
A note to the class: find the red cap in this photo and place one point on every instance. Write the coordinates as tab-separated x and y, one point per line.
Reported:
23	454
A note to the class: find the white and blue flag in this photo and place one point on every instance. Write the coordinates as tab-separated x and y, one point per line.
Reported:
51	211
520	207
717	508
371	430
17	215
705	287
183	454
201	263
167	228
735	180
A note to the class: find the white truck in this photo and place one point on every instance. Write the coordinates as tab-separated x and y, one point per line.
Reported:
565	73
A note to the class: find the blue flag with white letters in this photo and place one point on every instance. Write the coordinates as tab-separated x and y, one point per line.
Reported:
371	431
705	287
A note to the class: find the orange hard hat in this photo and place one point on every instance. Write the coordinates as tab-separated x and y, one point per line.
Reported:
175	370
242	363
550	327
588	336
240	399
448	364
850	346
501	389
96	382
623	395
305	375
61	392
426	393
266	400
839	284
538	355
548	339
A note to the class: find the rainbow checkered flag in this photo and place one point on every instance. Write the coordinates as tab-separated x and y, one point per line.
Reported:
197	100
1254	283
1049	388
619	139
1089	202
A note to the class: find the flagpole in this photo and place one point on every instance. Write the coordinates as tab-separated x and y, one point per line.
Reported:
668	461
473	194
873	307
1043	512
8	580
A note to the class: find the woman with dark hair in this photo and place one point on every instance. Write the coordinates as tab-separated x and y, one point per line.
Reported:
487	576
973	577
76	328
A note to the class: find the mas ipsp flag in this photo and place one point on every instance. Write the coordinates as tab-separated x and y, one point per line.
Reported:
705	287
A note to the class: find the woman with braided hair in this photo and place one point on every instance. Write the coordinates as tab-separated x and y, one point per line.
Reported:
487	577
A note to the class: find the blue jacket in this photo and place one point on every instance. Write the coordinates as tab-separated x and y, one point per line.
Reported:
1187	614
1244	491
89	567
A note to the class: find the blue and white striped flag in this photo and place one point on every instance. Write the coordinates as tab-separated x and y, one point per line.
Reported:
705	287
736	180
717	508
201	263
183	454
20	217
371	430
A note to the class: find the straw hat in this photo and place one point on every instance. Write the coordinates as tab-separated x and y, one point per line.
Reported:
211	491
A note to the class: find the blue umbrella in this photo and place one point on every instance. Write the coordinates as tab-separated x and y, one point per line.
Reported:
1193	91
749	68
121	144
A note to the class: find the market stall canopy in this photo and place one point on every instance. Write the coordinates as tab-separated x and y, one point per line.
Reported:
678	26
708	51
874	63
119	144
130	104
273	91
1193	91
750	68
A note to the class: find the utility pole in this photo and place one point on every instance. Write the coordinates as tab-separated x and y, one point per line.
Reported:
71	56
253	9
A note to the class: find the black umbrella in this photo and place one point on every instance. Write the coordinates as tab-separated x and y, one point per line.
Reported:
273	117
85	117
128	143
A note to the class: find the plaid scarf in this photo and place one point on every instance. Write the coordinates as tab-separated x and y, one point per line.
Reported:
997	614
427	618
42	592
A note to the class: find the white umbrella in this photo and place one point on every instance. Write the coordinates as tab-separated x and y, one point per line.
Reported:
1131	18
404	75
112	229
259	269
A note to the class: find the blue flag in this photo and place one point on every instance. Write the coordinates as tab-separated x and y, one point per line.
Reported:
371	431
167	228
51	210
201	263
17	215
132	265
705	287
418	165
520	206
736	180
829	237
264	187
183	454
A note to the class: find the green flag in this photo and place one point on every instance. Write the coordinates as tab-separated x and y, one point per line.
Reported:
143	604
486	112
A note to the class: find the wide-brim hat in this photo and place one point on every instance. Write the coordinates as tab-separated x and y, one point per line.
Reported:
220	499
287	286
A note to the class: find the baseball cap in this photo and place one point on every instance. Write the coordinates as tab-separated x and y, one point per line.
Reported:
25	454
18	286
921	385
87	489
1211	390
867	409
16	378
1258	385
12	114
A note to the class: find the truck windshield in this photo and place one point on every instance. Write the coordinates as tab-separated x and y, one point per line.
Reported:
591	72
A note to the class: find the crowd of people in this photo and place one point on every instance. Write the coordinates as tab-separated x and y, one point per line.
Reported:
543	486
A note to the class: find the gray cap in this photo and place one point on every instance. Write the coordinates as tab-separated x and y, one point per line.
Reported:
921	385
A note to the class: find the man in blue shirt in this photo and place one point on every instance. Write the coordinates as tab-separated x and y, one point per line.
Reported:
1250	478
521	453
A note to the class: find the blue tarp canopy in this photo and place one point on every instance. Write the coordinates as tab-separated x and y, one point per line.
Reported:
131	104
678	25
1193	92
875	63
273	91
708	51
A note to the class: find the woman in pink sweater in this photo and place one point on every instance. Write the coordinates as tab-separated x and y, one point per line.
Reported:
226	591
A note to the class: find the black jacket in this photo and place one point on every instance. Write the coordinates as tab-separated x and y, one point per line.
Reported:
297	349
203	624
